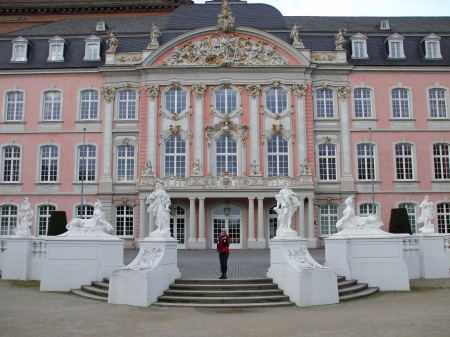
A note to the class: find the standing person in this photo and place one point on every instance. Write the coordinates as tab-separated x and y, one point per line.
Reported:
223	247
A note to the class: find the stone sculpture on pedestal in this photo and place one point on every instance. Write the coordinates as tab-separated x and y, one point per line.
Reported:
426	217
159	203
287	204
24	218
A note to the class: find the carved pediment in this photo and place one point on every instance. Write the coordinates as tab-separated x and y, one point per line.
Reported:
225	50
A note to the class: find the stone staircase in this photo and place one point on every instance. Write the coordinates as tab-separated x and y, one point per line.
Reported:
244	293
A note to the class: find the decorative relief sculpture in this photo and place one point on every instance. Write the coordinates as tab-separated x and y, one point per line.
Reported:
24	218
254	90
305	168
339	39
254	168
148	169
108	94
301	259
198	90
226	21
287	204
351	224
112	42
426	216
343	92
152	91
148	258
155	33
97	226
197	168
227	127
299	89
159	206
224	50
295	35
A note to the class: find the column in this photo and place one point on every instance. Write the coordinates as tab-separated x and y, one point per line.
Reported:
105	184
312	240
253	92
261	234
201	223
142	219
301	218
192	223
347	177
251	222
199	91
300	91
152	126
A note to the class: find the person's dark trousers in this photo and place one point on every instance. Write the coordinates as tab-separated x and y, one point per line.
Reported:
223	262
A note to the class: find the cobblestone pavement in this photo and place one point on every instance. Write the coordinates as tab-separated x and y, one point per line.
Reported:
242	264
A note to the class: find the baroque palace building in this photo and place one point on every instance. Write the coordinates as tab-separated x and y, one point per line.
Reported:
224	104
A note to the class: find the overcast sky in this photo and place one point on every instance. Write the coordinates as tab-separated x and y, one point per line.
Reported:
359	7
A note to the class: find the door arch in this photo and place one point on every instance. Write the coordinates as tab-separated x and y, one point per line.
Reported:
230	217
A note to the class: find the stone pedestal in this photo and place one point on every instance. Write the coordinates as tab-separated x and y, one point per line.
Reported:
17	260
72	262
433	260
300	277
376	260
148	276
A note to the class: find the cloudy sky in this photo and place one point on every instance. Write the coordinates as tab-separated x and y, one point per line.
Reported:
360	8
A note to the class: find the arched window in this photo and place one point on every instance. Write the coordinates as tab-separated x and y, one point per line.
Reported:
85	211
362	102
52	108
443	217
11	163
278	156
48	163
127	104
87	157
366	165
176	100
178	224
125	220
89	104
329	215
324	103
327	162
175	156
404	162
367	209
400	103
44	212
273	222
125	162
226	100
276	100
8	219
14	106
412	214
441	158
226	155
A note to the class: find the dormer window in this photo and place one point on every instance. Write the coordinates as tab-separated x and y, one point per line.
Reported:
432	47
395	45
101	26
19	50
384	25
56	49
359	46
92	48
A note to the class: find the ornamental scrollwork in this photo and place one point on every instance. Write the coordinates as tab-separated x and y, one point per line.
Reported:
343	92
198	90
225	19
152	91
299	89
254	90
226	127
108	93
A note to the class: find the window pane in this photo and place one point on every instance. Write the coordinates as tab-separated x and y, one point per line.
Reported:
89	104
226	100
276	100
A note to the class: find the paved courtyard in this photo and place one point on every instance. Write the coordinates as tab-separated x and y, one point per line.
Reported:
242	264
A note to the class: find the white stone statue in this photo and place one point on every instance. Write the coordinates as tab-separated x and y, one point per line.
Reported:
352	224
340	39
146	259
295	35
287	204
112	42
148	169
197	168
426	216
24	218
97	226
155	33
159	203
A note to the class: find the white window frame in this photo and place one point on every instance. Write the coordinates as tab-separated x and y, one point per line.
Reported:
15	104
277	155
2	169
44	93
90	102
127	100
174	219
369	206
288	100
327	158
88	42
436	100
332	219
411	215
175	154
445	216
272	220
56	49
10	229
46	216
166	95
431	40
359	46
78	162
238	100
403	158
444	162
370	101
124	179
408	100
393	41
19	42
124	216
367	159
326	111
227	155
86	206
58	169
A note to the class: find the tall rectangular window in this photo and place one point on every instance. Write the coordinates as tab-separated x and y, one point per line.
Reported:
329	215
8	219
44	213
124	220
363	102
324	103
396	49
400	103
278	156
226	156
441	158
87	157
11	164
412	215
438	103
89	105
366	165
125	163
52	106
443	217
14	106
404	161
175	157
327	162
127	104
49	163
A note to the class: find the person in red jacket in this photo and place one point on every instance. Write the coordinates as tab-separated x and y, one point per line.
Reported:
223	247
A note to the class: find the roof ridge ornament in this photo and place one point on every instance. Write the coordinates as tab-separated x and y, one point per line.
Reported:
226	20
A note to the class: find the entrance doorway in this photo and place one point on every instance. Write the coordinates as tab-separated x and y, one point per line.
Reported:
178	225
229	217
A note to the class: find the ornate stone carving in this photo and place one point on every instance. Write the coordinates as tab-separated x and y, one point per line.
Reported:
227	127
225	19
339	39
129	59
175	130
254	168
159	206
301	259
225	50
343	92
254	90
24	219
287	204
197	168
152	91
198	90
148	169
112	42
108	94
426	216
148	258
155	33
299	89
295	35
305	168
323	56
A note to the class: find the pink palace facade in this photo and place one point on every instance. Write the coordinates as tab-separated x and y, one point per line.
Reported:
225	119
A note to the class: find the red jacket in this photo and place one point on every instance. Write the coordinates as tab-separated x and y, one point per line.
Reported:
223	243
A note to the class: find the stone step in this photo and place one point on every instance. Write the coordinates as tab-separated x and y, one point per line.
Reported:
228	281
223	293
364	293
95	291
224	305
89	295
219	300
340	278
102	285
232	286
346	283
352	289
106	280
